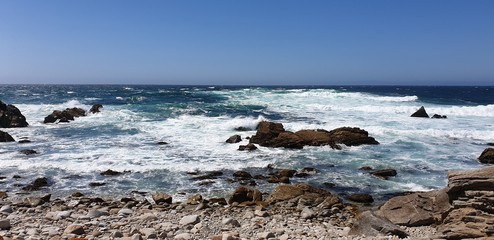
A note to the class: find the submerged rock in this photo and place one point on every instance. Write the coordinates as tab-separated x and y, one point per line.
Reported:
11	116
5	137
361	198
351	136
384	173
110	172
439	116
487	156
248	147
420	113
36	184
28	152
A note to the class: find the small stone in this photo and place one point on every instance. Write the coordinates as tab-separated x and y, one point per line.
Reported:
189	220
63	214
183	236
149	232
265	235
139	237
74	229
117	234
125	211
260	213
6	209
5	224
307	213
230	221
95	213
160	198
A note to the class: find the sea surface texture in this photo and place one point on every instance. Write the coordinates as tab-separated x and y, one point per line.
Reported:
196	121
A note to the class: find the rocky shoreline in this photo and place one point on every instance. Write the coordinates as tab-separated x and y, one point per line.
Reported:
291	211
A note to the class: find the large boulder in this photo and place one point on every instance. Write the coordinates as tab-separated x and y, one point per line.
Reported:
266	131
370	224
5	137
287	140
66	115
487	156
245	195
416	209
11	116
420	113
287	192
351	136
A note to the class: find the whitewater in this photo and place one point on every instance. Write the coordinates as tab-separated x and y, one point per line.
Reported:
196	121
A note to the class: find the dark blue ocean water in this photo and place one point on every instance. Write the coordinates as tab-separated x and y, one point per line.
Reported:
196	120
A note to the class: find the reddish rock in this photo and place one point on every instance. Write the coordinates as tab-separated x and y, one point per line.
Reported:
351	136
244	194
487	156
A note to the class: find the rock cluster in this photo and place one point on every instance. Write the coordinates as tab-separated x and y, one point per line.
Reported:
462	210
271	134
69	114
11	116
423	114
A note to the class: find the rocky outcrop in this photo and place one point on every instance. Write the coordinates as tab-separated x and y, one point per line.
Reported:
248	147
234	139
370	224
271	134
351	136
487	156
96	108
5	137
420	113
11	116
384	173
462	210
66	115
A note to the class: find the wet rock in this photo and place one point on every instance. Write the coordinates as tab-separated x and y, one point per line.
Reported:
28	152
286	140
285	173
66	115
24	141
234	139
248	147
307	171
208	175
361	198
96	108
96	184
245	195
370	224
162	143
366	168
420	113
266	131
242	129
110	172
242	175
351	136
77	194
11	116
487	156
162	198
317	137
439	116
36	184
384	173
5	137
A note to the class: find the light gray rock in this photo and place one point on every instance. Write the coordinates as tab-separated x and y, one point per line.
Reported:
230	221
189	220
265	235
183	236
307	213
6	209
95	213
150	233
125	212
63	214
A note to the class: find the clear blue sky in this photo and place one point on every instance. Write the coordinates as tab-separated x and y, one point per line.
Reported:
247	42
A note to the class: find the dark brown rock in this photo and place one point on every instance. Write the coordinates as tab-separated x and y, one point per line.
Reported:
234	139
285	173
384	173
487	156
97	184
209	175
36	184
287	192
245	195
361	198
351	136
420	113
266	131
11	116
248	147
439	116
161	198
110	172
242	175
318	137
96	108
28	152
24	141
5	137
242	129
66	115
286	140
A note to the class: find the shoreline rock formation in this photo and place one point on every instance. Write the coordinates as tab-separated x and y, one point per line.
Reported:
11	116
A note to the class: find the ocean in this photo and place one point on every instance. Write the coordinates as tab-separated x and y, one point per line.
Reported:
195	121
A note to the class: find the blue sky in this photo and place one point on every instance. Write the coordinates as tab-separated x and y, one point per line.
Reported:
247	42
